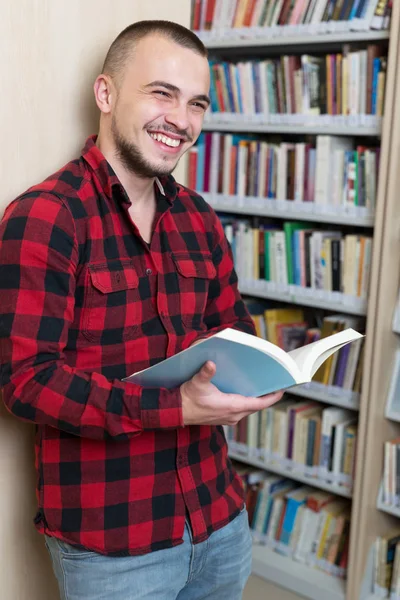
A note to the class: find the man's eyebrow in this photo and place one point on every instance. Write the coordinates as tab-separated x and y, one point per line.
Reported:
175	89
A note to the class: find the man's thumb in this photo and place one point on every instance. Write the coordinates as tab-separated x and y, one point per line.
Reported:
207	371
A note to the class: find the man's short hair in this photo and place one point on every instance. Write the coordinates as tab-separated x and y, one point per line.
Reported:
123	45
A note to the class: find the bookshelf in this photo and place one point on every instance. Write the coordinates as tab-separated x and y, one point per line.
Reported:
260	39
359	216
285	468
300	126
368	518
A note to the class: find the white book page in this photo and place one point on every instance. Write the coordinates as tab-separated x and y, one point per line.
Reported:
310	357
266	347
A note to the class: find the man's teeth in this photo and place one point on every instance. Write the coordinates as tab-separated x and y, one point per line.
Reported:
165	140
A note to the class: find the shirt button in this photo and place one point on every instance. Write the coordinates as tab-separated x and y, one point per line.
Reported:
148	271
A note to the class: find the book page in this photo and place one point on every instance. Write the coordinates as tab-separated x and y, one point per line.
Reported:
309	358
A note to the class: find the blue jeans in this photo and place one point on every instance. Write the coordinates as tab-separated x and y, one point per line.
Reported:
216	569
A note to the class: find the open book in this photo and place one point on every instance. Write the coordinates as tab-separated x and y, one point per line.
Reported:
246	364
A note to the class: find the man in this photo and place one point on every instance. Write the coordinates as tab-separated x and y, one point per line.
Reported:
107	267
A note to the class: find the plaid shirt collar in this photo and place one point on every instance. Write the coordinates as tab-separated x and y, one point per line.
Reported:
109	180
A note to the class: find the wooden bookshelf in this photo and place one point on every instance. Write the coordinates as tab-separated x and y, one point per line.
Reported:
369	518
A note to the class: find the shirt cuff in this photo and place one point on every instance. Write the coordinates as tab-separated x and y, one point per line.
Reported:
161	408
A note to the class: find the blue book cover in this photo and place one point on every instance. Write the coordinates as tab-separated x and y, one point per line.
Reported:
353	12
200	163
238	90
225	66
245	364
293	502
213	91
375	73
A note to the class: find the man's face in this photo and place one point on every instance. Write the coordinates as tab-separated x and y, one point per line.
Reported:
159	111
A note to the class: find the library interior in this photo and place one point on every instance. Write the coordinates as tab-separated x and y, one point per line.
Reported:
298	157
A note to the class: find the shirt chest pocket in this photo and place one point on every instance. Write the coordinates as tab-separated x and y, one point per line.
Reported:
194	272
111	312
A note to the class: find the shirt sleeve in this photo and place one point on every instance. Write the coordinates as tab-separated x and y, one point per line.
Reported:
38	262
225	307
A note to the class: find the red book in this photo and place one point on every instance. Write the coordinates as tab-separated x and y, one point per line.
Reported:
193	168
249	13
209	13
196	15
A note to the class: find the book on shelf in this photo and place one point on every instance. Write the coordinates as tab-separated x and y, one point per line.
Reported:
220	15
386	578
305	437
351	82
245	364
298	521
332	171
391	473
329	261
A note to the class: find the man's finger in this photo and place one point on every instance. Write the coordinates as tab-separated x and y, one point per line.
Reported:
206	372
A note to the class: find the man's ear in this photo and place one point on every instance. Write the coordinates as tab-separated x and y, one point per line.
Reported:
104	93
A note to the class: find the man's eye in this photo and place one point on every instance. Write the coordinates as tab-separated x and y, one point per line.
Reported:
162	93
198	105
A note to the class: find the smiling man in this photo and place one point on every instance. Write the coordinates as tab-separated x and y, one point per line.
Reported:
107	267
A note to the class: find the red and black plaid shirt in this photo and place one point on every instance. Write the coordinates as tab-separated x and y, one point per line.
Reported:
84	302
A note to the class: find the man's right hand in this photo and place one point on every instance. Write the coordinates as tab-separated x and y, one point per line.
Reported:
204	404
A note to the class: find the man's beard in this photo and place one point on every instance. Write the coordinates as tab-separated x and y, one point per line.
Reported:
132	158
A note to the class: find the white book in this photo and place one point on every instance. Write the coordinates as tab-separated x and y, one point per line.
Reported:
280	258
300	162
326	146
386	474
214	162
368	18
226	181
318	12
310	11
230	14
338	176
243	151
363	82
300	550
252	430
264	87
281	193
218	14
245	364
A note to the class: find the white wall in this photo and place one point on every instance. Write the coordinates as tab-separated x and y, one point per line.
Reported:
50	54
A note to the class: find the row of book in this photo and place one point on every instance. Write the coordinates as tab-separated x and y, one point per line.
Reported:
288	329
386	576
391	473
348	83
315	441
307	525
333	171
225	14
299	254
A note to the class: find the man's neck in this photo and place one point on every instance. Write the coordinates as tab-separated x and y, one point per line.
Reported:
139	190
